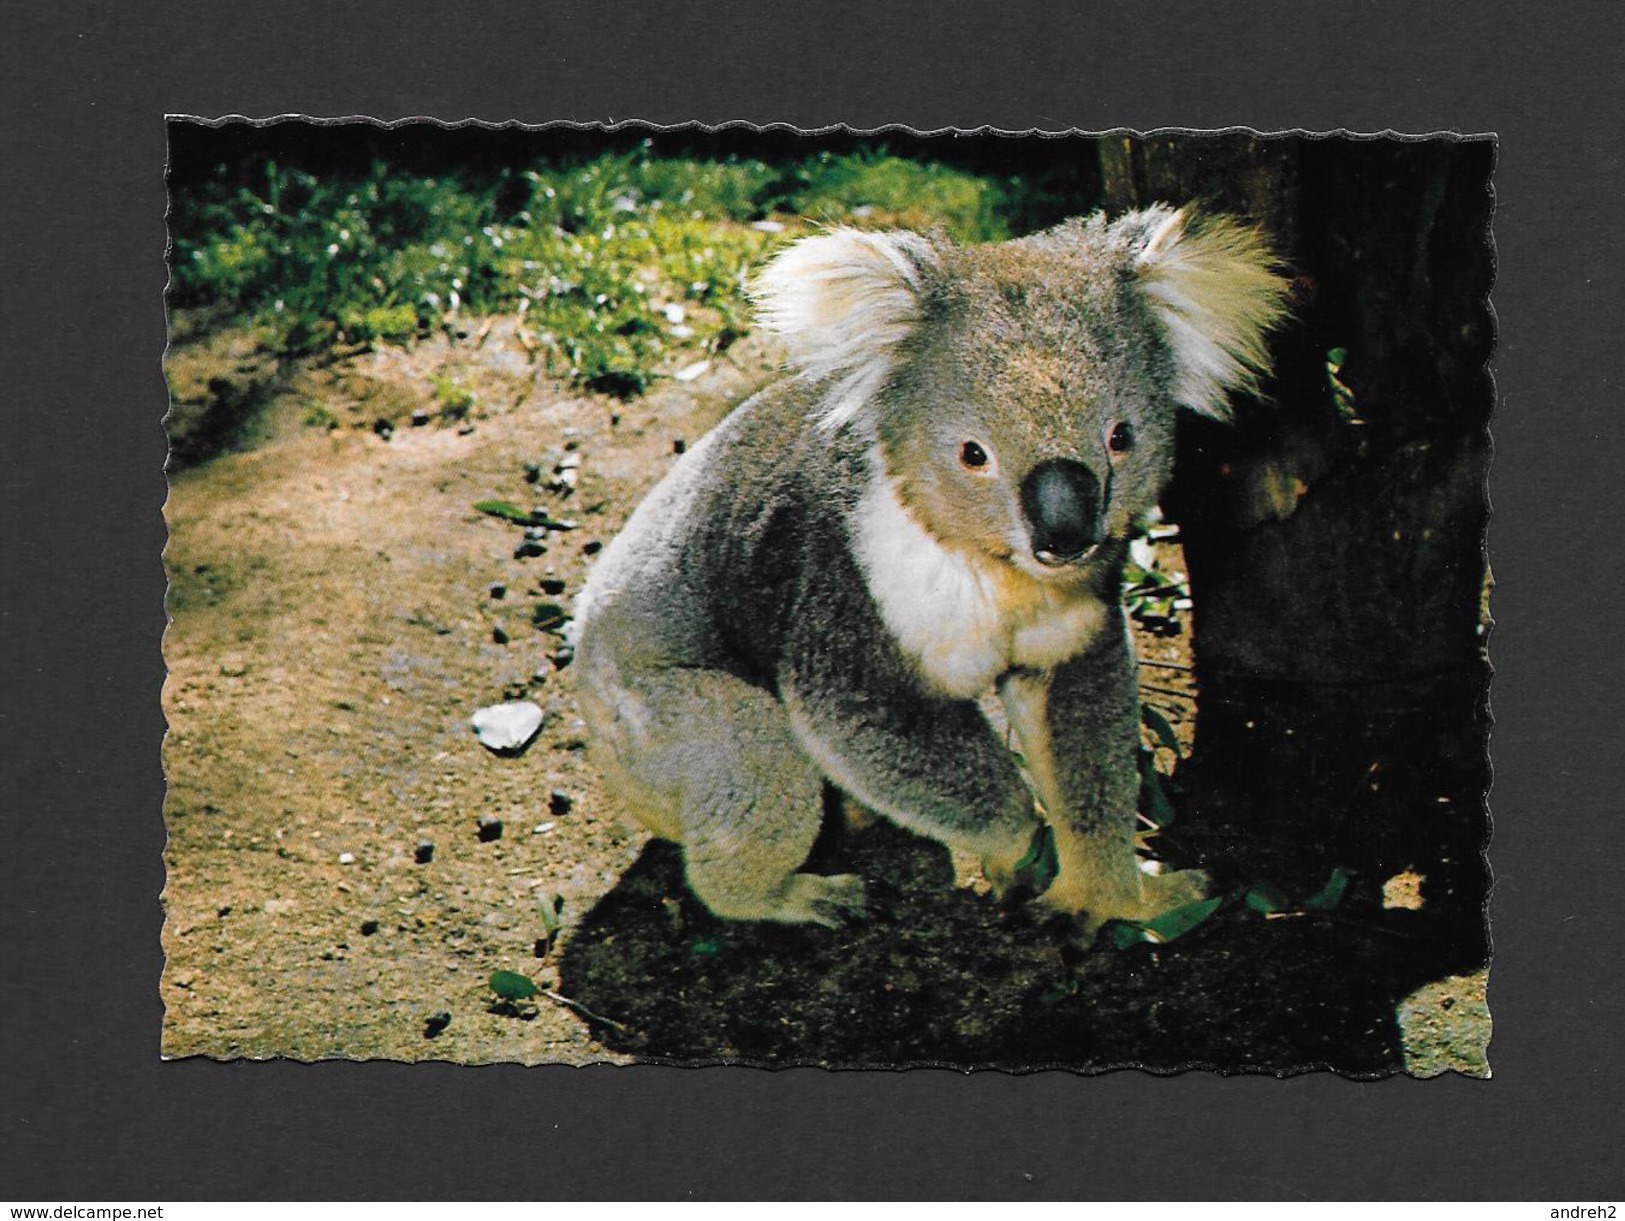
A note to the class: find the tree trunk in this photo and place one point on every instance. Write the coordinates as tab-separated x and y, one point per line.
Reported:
1334	536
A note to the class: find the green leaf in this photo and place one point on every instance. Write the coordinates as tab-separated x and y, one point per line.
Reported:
1159	727
504	509
1125	933
1181	920
1335	358
1331	894
1265	899
1158	808
1038	868
512	986
552	907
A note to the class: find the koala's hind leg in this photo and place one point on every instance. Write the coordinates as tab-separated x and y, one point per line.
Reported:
709	760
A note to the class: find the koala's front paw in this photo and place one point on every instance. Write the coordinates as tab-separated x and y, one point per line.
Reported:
829	901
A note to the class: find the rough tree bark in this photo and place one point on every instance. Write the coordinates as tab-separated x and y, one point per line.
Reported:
1335	536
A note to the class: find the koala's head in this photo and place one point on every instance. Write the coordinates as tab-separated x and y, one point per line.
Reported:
1022	396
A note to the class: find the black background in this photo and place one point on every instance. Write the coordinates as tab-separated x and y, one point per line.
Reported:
90	1112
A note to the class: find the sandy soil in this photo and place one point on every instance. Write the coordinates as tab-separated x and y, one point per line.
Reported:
333	629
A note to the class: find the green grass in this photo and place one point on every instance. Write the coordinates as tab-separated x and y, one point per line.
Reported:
860	187
623	264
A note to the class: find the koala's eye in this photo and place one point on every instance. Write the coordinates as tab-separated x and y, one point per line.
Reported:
1121	438
973	455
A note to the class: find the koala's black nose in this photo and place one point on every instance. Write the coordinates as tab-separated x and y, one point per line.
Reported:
1062	501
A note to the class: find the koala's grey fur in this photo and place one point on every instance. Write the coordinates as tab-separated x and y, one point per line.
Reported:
823	587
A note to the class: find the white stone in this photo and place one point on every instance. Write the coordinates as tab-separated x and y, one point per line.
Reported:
507	726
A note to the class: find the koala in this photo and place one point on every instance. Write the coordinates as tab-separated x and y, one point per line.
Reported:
934	505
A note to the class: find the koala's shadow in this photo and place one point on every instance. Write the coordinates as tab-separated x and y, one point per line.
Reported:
938	975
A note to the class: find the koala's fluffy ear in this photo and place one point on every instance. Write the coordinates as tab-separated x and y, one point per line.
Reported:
1218	290
843	301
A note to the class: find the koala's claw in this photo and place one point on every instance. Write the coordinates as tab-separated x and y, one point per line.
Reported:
831	901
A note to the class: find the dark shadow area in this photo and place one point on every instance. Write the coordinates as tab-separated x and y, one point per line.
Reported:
220	382
938	975
1297	781
1335	536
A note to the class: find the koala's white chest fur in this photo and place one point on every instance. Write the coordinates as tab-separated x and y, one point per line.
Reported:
952	613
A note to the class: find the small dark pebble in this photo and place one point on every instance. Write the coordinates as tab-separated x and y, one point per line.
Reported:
223	912
540	675
424	852
543	946
591	547
552	585
614	419
383	428
548	616
435	1023
563	656
559	803
420	417
529	549
369	927
490	828
572	445
679	446
465	430
533	472
499	634
498	589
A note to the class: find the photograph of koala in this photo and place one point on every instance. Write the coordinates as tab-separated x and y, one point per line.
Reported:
866	600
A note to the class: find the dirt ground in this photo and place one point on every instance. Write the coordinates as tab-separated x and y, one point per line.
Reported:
336	620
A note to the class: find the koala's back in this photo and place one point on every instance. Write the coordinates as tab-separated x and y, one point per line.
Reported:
710	569
692	617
